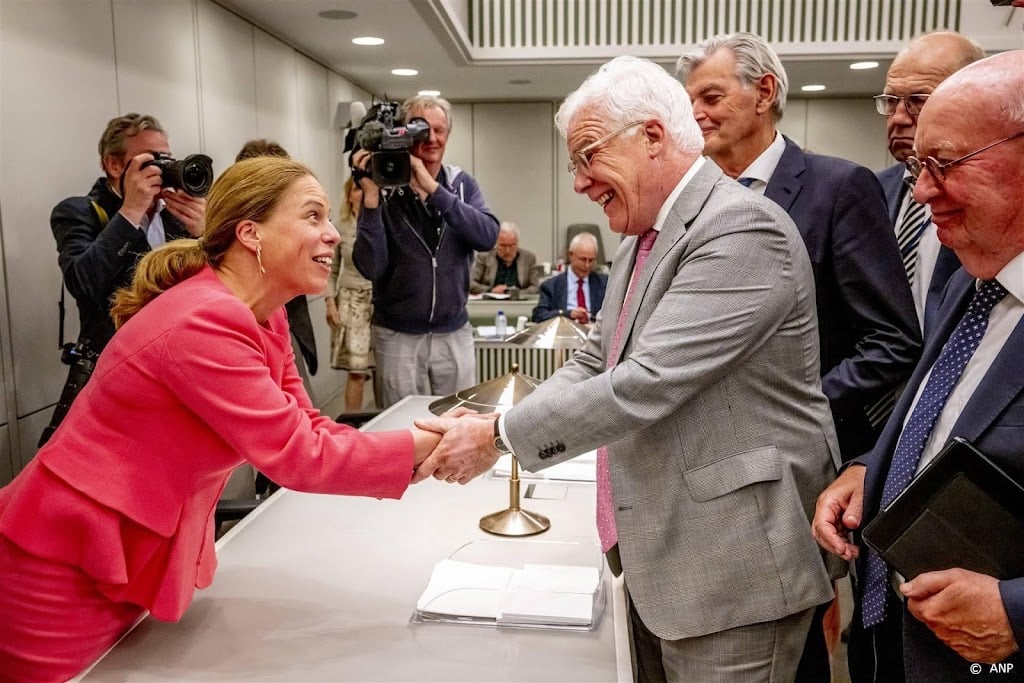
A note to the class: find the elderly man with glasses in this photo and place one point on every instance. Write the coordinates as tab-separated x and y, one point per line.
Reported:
969	384
699	381
915	72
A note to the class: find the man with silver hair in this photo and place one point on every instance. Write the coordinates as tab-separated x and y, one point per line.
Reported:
698	384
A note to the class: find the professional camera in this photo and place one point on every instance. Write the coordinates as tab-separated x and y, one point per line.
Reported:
193	174
382	133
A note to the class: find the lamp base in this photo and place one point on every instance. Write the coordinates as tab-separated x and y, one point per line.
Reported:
515	523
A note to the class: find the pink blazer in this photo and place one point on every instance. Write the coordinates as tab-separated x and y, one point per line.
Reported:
187	390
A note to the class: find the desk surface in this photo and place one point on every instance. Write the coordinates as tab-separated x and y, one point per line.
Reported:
316	588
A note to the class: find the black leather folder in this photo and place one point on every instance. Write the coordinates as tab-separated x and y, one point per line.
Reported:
962	511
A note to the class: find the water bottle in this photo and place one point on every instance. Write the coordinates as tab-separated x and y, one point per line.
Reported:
500	325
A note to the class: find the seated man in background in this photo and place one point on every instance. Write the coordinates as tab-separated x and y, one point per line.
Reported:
577	293
506	266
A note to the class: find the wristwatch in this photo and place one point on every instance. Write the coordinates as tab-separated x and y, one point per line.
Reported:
499	443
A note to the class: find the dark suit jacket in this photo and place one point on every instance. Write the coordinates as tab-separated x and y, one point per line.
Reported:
993	420
302	329
97	258
867	324
553	293
946	263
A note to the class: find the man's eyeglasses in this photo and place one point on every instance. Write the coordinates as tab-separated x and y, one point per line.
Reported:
580	159
886	105
938	169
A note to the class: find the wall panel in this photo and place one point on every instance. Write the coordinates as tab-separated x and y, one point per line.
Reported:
228	83
157	70
516	176
55	106
277	99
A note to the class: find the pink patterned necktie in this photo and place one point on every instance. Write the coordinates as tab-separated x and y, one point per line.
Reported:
605	515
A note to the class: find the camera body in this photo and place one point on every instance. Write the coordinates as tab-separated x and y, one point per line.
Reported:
192	175
388	139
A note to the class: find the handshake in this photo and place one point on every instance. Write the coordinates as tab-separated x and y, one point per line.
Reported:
456	447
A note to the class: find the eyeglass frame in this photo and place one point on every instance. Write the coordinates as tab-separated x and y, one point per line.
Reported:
579	160
881	103
938	169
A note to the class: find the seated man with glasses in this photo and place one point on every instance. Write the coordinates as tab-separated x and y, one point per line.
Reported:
915	72
969	383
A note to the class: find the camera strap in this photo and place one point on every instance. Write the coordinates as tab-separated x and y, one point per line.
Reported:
101	214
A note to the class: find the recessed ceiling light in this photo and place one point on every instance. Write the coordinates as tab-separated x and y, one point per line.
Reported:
861	66
368	40
404	72
812	88
337	14
520	81
429	93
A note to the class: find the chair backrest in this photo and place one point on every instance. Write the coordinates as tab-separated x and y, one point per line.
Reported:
576	228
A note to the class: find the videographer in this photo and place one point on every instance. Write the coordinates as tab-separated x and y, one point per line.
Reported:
416	244
101	236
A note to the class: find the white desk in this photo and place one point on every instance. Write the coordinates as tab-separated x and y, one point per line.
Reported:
321	588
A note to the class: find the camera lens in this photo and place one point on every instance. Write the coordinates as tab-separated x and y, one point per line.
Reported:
196	174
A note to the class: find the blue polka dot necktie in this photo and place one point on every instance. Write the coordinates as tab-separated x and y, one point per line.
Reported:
945	373
745	181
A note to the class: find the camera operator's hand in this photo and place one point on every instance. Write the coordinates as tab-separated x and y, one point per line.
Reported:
371	193
189	210
141	187
421	180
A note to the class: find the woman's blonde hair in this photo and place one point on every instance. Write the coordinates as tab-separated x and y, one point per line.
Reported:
248	190
348	212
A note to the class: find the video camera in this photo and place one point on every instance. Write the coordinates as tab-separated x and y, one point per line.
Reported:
382	133
193	174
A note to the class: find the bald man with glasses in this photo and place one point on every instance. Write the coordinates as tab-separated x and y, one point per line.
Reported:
952	624
915	72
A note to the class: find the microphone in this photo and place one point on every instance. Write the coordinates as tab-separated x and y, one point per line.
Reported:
370	134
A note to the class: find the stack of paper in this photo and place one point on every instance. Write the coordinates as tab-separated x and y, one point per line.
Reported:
555	595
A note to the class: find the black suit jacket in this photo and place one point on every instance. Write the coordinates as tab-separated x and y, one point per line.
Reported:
946	263
554	290
97	259
867	324
302	329
993	420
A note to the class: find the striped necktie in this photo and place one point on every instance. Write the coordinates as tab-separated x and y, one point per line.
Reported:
908	233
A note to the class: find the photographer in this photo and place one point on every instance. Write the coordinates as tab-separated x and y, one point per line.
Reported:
101	236
416	243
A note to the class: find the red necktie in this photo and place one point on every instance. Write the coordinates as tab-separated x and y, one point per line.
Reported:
581	298
606	530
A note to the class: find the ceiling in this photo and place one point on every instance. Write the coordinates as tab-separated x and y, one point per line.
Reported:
417	37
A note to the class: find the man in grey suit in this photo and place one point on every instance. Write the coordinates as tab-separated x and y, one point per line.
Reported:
700	382
505	266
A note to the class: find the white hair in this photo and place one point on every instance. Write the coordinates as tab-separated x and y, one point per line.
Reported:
511	228
629	89
577	241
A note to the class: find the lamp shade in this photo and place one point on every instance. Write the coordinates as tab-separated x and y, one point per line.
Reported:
498	394
554	333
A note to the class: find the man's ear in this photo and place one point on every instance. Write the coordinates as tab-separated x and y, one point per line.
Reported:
767	92
654	134
114	165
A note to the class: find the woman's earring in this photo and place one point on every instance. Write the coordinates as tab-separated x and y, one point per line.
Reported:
259	259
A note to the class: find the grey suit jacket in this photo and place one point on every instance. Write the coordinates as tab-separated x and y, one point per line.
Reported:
719	436
485	267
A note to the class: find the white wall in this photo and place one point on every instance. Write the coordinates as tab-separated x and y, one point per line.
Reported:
66	68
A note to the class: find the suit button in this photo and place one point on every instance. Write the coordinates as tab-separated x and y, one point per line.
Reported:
561	447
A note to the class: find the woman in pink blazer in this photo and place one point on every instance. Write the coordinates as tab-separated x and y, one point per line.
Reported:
114	516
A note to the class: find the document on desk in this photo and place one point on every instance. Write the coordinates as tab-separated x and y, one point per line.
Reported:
581	468
536	595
